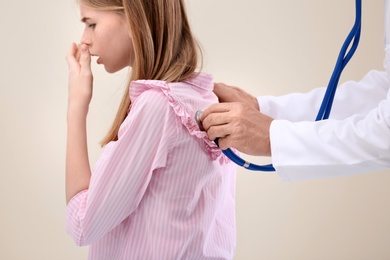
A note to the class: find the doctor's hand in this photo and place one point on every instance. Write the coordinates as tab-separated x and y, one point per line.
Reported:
238	125
80	79
227	93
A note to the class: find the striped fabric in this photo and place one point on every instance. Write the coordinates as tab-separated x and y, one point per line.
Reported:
163	190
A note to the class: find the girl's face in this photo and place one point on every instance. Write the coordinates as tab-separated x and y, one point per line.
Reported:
108	36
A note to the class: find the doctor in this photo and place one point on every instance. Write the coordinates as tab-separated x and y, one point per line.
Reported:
355	138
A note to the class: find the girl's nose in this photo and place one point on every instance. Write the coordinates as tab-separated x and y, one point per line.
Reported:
85	39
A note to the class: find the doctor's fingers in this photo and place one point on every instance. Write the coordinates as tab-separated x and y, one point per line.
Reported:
222	113
229	142
216	108
248	132
229	136
233	129
235	114
215	120
227	93
219	131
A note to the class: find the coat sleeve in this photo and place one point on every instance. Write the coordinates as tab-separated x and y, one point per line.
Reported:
124	170
351	98
357	144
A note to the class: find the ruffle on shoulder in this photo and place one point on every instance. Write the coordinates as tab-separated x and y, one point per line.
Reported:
181	111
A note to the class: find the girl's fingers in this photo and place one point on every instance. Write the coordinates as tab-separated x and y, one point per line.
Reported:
85	59
80	75
71	56
79	59
77	54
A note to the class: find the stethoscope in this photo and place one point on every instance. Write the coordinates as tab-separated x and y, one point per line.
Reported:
326	105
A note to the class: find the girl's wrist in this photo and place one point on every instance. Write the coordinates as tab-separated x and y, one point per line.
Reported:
77	110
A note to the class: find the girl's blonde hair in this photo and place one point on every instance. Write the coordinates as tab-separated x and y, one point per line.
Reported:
164	46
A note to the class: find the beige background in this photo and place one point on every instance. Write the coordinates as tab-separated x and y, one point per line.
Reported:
266	47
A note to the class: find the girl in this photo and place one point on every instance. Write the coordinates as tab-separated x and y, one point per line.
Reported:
161	189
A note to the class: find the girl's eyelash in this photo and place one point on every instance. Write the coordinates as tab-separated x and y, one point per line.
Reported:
92	25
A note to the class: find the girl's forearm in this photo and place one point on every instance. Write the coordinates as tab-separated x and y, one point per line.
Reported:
78	171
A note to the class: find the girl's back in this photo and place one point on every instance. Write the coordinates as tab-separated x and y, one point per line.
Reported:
175	197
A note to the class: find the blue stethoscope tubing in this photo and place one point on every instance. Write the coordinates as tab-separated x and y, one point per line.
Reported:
326	106
342	61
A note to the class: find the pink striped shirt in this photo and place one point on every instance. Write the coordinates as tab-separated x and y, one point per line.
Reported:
163	190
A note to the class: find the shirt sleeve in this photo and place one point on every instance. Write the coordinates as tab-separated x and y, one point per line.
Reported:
351	98
124	169
309	150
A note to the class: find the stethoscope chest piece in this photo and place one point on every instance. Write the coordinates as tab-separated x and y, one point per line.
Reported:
197	118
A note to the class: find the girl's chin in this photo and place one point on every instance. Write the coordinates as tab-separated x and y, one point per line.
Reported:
113	70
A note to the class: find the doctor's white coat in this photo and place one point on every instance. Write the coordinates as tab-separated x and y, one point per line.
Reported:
355	138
